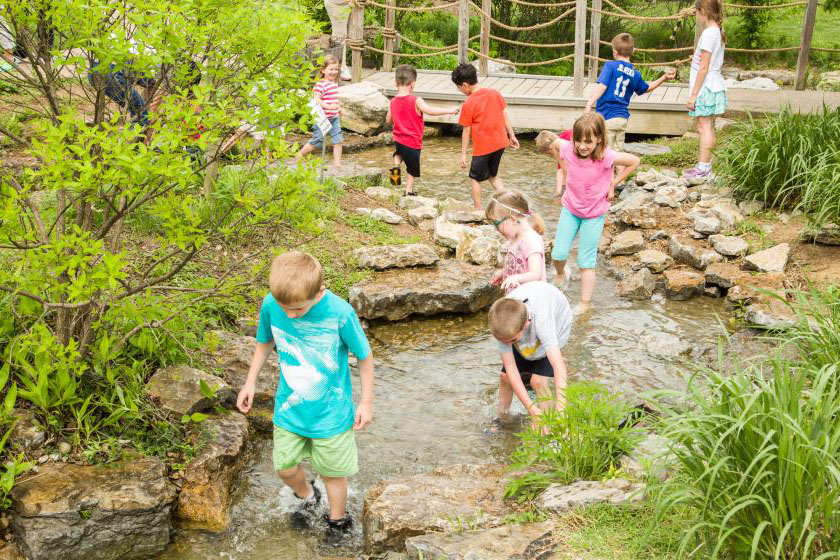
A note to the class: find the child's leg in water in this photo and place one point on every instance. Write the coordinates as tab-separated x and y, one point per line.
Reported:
541	387
505	395
590	235
567	230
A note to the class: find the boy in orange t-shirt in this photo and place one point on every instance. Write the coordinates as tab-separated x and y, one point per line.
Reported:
485	118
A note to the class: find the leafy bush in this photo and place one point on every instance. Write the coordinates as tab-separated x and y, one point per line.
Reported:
759	458
583	442
787	160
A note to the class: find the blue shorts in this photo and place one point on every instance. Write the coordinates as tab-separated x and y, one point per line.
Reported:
590	233
317	139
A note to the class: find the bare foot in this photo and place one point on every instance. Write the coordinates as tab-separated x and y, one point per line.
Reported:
562	281
582	308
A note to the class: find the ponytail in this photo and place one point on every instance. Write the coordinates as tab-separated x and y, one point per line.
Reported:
537	223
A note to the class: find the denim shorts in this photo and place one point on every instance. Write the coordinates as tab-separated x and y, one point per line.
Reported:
317	139
590	233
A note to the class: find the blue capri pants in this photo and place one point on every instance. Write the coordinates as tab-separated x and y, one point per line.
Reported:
590	233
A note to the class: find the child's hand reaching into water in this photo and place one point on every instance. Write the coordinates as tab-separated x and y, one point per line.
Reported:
496	279
511	282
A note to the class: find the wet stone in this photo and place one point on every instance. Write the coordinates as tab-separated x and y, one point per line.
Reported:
683	284
773	259
616	491
653	260
177	390
381	257
729	246
685	252
627	243
637	286
452	287
712	291
770	313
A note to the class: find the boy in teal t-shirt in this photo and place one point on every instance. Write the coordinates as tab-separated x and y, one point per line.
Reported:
312	330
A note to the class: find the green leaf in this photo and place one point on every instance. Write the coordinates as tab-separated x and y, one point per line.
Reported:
198	417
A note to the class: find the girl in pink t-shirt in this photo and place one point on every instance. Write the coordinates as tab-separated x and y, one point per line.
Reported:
525	261
586	186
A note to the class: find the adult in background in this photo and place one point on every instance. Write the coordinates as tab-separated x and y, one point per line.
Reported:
339	13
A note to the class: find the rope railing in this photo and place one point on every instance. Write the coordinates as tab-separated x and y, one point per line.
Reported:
577	7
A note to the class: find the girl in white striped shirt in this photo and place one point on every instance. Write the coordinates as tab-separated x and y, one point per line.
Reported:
326	94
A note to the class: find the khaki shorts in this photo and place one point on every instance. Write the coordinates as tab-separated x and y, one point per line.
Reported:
335	457
616	127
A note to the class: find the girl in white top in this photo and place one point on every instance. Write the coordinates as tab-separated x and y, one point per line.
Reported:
708	90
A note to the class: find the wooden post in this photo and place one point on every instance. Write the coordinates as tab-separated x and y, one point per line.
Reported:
390	19
483	63
594	41
580	46
805	46
355	37
463	32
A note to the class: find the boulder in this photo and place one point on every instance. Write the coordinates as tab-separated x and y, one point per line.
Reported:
753	287
683	284
653	260
645	149
452	287
712	292
480	250
231	353
498	66
177	390
423	217
828	234
27	433
647	176
208	479
10	551
729	246
363	107
380	193
706	225
364	211
385	215
627	243
106	512
463	214
498	543
684	251
727	212
770	313
617	491
395	510
765	84
411	202
450	235
666	200
723	274
380	257
674	190
637	210
639	285
779	76
773	259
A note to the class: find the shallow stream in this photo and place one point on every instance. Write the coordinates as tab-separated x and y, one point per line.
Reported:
436	379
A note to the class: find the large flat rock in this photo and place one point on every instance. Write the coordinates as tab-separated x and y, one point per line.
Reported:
437	501
452	287
72	512
177	390
381	257
530	541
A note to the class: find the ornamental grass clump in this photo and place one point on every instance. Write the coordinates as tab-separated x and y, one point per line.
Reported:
816	334
758	455
583	442
787	161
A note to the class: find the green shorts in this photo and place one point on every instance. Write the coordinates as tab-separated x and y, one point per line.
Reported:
335	457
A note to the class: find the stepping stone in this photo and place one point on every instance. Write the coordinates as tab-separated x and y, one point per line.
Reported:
773	259
395	256
616	491
644	149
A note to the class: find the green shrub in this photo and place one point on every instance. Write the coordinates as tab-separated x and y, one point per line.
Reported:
816	335
787	161
758	456
583	442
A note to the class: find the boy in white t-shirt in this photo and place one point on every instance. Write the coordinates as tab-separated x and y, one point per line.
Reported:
708	90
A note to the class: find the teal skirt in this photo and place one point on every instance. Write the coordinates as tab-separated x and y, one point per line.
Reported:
709	103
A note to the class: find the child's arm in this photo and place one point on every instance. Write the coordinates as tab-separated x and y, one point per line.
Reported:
705	60
629	162
465	144
245	399
555	358
515	382
364	412
560	185
388	118
535	268
669	75
425	109
596	95
514	143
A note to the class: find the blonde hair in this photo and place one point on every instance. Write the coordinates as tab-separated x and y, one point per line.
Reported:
623	44
714	11
587	127
507	318
295	277
329	60
405	74
510	203
544	141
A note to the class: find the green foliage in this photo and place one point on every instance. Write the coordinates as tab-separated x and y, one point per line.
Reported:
683	153
14	466
583	442
787	160
759	458
382	232
816	334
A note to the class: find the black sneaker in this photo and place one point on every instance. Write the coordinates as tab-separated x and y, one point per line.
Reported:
306	509
338	530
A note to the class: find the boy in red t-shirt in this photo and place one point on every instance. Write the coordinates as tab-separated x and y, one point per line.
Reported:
485	118
406	113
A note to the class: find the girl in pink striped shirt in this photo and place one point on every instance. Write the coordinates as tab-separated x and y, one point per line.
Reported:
326	93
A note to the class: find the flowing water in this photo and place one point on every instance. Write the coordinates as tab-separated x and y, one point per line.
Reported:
436	379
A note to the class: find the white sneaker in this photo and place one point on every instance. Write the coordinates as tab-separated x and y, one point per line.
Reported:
345	74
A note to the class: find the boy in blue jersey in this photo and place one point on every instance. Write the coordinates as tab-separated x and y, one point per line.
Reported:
312	330
618	81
